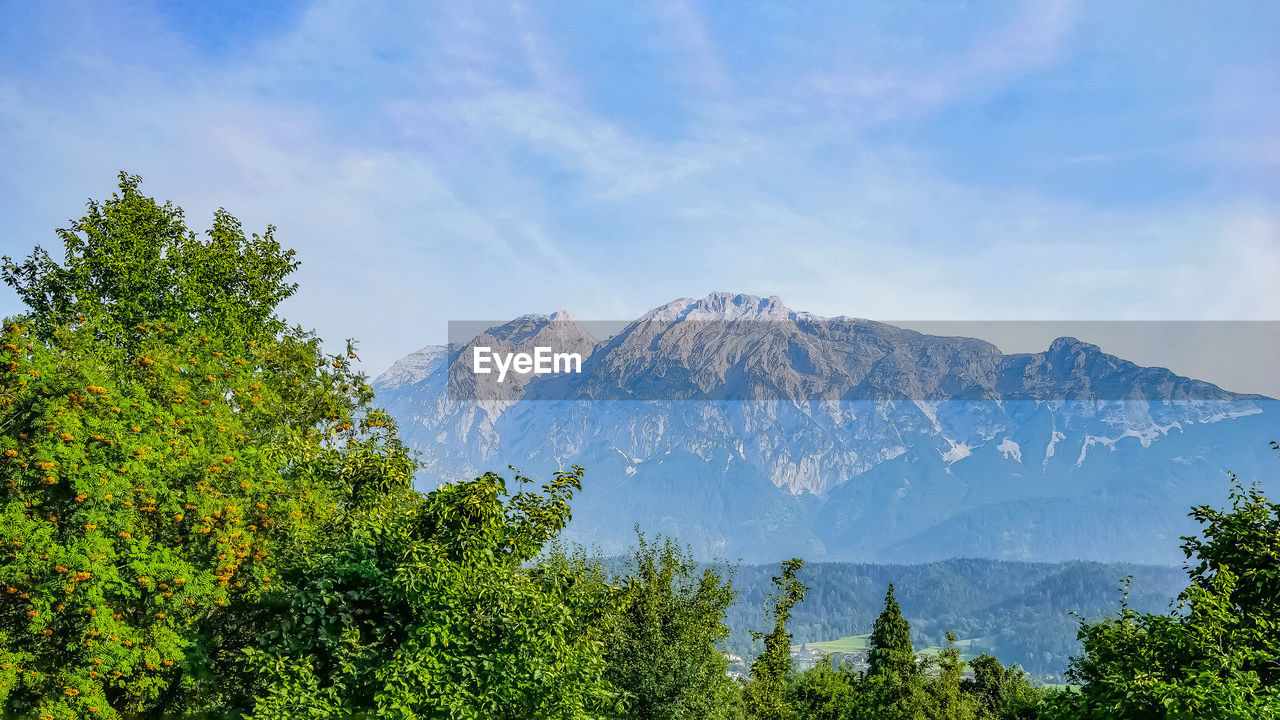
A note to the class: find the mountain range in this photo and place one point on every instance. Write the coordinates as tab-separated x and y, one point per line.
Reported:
752	431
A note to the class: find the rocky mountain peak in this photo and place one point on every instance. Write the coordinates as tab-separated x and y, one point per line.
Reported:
728	306
1069	346
741	424
721	306
537	328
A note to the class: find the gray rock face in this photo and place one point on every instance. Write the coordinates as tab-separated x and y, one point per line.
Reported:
751	430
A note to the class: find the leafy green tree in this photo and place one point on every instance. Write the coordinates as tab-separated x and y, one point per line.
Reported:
1216	655
430	609
1245	542
167	450
824	692
1002	692
130	262
1181	666
949	701
663	651
766	694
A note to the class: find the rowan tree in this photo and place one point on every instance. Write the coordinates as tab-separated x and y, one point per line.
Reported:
168	447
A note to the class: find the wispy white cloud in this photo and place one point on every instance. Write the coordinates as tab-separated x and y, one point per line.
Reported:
699	58
870	90
458	162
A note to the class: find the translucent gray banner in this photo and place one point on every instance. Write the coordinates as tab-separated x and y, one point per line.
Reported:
805	359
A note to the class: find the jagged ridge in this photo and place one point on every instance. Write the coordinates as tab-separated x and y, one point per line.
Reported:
758	422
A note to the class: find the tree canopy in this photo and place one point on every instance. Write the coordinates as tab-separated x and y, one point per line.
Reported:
131	261
1218	654
427	610
663	650
170	448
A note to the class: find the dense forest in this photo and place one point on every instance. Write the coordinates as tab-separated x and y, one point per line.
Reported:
204	515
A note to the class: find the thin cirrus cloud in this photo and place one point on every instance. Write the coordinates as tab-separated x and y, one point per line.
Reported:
895	160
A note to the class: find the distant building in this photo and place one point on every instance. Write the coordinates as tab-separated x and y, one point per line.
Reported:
803	658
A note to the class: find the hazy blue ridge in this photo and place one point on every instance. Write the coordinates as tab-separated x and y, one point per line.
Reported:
749	430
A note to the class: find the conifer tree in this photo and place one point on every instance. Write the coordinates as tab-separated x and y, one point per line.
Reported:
890	641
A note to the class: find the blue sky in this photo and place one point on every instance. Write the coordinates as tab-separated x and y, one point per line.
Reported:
894	160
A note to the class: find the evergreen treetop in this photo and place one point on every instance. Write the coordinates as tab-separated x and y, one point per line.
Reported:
890	641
